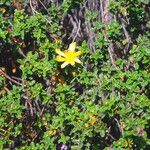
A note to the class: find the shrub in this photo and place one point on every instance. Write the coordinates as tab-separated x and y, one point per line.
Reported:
101	102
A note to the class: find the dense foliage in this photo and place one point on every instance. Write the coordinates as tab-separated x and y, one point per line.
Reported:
99	98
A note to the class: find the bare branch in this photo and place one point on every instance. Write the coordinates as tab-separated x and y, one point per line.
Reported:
2	73
32	8
44	6
77	31
119	125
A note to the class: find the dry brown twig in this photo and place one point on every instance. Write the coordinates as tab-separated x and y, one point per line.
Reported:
2	73
106	18
44	7
79	23
119	125
34	11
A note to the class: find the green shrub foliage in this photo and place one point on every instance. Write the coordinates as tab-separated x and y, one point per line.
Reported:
102	102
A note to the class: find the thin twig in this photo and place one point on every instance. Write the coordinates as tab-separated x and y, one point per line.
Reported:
74	26
120	128
110	51
123	23
44	6
36	12
33	10
105	19
19	79
9	78
112	137
21	53
101	10
37	105
77	31
7	90
41	113
31	108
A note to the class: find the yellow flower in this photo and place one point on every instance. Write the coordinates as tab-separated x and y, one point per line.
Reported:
86	125
93	120
68	56
53	132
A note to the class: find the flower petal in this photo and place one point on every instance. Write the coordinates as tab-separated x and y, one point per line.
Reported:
64	64
58	51
60	58
78	53
72	46
77	60
72	63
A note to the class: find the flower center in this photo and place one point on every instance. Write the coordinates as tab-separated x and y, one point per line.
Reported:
70	56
